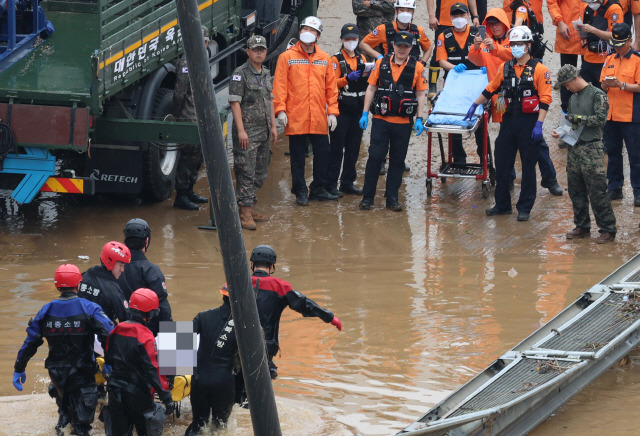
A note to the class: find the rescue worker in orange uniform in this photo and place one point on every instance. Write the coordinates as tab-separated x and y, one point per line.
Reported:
439	20
396	89
306	103
384	34
525	84
349	65
621	81
513	7
599	17
568	44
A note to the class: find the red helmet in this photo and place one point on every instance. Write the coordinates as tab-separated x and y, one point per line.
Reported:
224	290
67	276
113	252
144	300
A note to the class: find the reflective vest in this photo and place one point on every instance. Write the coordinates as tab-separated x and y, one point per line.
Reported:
456	54
353	93
520	92
597	19
413	29
395	98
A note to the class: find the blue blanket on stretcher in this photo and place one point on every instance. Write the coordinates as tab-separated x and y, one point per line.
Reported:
459	92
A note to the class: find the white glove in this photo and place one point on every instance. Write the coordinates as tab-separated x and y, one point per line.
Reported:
282	117
333	122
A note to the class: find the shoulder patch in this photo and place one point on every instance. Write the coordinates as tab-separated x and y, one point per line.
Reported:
237	78
614	17
185	70
375	32
439	44
335	66
547	75
522	9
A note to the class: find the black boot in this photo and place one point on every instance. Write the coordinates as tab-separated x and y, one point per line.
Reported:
195	198
182	201
552	186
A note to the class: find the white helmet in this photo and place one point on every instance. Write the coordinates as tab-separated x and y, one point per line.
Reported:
411	4
520	34
313	22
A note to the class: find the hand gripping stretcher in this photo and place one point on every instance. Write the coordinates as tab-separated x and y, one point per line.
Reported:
446	117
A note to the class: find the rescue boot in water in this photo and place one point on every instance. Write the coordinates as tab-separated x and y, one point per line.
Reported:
182	201
246	219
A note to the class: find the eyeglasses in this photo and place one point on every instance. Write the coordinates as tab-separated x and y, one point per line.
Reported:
517	44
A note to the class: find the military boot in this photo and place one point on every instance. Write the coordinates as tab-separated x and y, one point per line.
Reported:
246	219
258	217
195	198
182	201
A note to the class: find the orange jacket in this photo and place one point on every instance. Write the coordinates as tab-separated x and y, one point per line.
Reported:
304	86
613	16
379	36
541	81
492	59
536	6
567	11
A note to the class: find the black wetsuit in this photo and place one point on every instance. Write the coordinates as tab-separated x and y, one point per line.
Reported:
100	286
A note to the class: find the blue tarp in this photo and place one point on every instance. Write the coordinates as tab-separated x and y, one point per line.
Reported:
459	92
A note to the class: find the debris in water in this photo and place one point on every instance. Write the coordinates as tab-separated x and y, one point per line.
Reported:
82	257
512	272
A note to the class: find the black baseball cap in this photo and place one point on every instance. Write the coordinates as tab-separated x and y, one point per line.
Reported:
620	34
459	8
403	37
349	30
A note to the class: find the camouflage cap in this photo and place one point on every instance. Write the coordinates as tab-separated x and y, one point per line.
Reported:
565	74
256	41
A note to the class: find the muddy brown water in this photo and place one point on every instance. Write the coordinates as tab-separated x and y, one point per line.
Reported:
427	297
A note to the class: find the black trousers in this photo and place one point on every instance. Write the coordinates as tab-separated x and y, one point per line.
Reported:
392	138
570	59
298	150
591	72
126	411
212	396
76	395
345	147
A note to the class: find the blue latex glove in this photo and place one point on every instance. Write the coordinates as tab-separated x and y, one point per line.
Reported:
459	68
107	369
418	127
18	379
379	57
354	75
364	120
536	134
483	70
470	112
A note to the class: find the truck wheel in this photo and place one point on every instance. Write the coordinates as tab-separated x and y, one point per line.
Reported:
160	164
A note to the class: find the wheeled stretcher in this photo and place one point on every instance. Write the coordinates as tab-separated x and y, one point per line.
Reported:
446	118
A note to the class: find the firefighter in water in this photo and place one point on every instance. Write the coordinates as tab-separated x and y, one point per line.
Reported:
69	324
349	65
599	17
131	353
397	90
525	85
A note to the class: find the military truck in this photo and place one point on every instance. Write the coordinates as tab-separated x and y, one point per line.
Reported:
86	109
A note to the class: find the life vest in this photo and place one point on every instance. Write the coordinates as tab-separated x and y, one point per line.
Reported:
353	93
413	29
597	19
395	98
456	54
520	92
537	29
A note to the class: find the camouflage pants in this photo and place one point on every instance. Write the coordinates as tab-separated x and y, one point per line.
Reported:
586	177
189	165
251	166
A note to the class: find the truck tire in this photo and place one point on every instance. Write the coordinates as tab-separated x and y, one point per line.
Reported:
160	164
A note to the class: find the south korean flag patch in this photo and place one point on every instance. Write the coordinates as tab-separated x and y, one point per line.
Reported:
526	93
185	70
237	78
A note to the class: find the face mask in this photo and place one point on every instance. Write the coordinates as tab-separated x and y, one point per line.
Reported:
307	37
594	6
459	23
405	17
517	51
350	45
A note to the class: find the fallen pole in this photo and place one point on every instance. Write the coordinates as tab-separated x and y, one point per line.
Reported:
264	414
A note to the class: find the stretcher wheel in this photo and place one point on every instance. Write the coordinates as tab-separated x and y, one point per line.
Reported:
492	176
429	184
485	190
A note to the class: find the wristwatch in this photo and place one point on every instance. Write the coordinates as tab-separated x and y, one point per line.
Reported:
623	86
474	16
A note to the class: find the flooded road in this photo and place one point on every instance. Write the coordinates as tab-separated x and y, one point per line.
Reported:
427	297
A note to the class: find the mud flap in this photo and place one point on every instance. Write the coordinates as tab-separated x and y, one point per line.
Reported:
155	419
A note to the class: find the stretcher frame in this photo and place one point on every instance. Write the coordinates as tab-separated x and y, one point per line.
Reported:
483	171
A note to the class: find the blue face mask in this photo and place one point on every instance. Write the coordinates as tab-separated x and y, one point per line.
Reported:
517	51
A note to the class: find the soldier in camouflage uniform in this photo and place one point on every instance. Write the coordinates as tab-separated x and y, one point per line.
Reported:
254	125
372	13
191	157
586	174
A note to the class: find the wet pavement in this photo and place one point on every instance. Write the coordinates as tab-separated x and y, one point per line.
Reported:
427	297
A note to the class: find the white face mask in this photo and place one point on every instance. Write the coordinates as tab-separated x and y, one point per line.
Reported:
308	37
517	51
594	6
459	23
405	17
350	45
